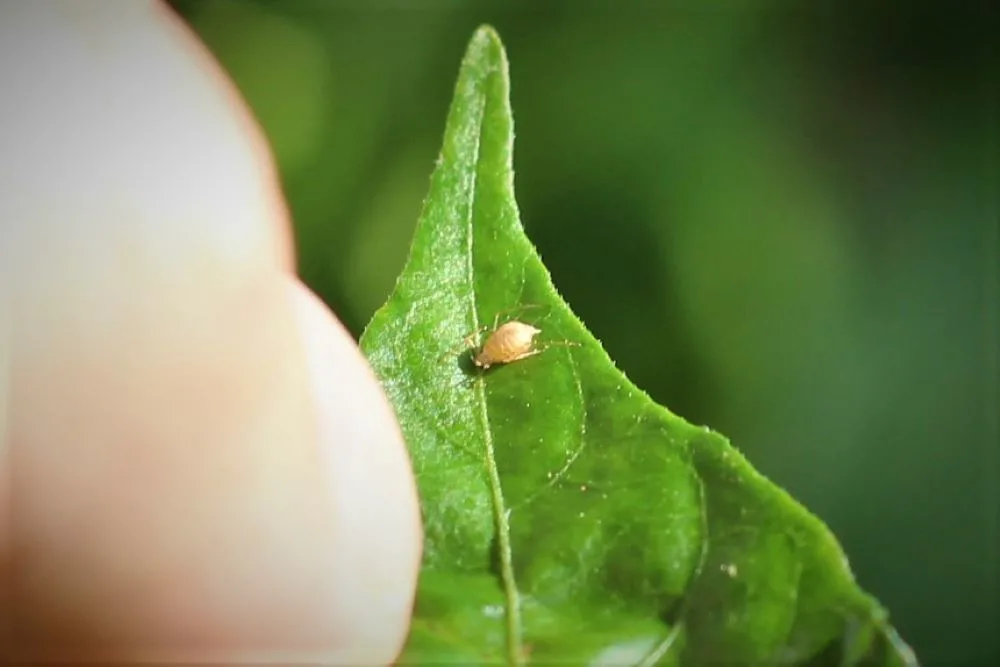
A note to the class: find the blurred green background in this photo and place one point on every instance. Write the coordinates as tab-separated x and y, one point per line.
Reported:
781	221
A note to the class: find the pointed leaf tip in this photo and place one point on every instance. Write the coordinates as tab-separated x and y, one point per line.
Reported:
486	32
485	49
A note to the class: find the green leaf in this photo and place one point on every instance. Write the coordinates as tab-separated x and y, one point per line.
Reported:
568	518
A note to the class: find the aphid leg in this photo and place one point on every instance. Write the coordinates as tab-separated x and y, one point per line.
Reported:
542	348
467	381
525	355
465	344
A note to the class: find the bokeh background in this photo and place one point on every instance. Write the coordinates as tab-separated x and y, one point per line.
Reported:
781	220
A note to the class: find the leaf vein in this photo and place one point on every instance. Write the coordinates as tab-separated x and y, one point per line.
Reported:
501	514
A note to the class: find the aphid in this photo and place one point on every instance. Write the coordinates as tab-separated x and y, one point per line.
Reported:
511	341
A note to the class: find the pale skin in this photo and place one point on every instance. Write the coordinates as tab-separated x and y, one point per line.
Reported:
196	463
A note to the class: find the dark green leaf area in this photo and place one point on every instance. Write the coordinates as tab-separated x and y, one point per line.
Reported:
569	519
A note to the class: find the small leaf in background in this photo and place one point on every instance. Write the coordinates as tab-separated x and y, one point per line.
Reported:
569	519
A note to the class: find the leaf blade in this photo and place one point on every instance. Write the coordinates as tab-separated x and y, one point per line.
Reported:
567	516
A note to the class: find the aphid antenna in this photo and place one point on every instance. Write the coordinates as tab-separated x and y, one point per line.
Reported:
514	309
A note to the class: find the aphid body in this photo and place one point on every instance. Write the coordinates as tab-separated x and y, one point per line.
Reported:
511	341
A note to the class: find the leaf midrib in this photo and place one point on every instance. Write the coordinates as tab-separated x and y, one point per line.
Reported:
500	513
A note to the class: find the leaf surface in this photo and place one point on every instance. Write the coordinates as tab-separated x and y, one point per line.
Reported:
568	518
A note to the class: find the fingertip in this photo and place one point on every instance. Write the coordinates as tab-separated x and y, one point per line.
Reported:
370	477
124	126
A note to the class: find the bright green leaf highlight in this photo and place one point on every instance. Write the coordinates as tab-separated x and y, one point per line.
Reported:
569	519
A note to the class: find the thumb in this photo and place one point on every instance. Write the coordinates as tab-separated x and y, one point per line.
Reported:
198	464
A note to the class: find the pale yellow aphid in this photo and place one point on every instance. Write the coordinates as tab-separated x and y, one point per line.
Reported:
511	341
